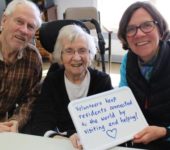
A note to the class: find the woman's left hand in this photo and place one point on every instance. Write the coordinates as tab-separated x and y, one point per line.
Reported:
76	141
149	134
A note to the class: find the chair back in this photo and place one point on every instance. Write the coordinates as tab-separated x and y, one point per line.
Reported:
49	31
82	13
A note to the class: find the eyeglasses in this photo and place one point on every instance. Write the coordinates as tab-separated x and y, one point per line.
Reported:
145	27
71	52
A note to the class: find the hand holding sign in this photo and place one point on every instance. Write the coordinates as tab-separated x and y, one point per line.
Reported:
107	119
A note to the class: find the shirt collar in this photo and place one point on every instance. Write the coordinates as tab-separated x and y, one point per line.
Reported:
19	56
150	62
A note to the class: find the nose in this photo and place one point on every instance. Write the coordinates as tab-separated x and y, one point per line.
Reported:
76	55
24	29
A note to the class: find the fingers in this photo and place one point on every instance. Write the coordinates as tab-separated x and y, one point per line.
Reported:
14	125
76	141
4	128
10	126
80	147
73	140
149	134
143	137
140	134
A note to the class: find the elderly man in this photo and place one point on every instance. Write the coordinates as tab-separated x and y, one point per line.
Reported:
20	64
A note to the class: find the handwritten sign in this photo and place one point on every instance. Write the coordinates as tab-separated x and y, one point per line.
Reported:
107	119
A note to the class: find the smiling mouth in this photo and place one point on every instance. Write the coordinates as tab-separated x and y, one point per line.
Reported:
141	43
20	38
77	65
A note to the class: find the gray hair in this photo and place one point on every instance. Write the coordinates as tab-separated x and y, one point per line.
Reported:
72	32
13	4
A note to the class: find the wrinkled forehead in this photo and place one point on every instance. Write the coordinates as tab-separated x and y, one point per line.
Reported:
26	12
75	38
79	41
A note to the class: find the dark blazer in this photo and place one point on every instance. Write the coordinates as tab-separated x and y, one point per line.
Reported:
51	110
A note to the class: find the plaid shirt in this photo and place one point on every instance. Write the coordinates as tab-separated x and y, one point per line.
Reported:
19	85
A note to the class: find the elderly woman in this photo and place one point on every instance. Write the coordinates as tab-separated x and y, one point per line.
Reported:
146	70
74	51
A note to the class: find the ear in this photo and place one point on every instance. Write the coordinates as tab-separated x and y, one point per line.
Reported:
3	20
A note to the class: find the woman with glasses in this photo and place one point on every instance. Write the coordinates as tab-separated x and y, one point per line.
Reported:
146	70
74	52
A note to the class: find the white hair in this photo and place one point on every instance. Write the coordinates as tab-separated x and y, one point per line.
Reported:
71	33
13	4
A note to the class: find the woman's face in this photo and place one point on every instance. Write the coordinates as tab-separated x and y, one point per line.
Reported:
145	45
75	57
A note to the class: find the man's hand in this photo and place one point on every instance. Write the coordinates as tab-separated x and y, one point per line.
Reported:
149	134
9	126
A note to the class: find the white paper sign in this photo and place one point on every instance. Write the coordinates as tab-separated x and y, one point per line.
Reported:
107	119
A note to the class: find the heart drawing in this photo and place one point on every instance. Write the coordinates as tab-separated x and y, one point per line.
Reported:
112	133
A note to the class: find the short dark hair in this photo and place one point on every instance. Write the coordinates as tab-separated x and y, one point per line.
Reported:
155	14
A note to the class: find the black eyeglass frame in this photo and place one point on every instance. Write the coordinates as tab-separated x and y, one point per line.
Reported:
141	27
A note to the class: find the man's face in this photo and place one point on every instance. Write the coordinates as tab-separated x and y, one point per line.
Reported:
18	28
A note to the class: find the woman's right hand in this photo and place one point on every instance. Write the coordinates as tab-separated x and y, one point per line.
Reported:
75	141
149	134
9	126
